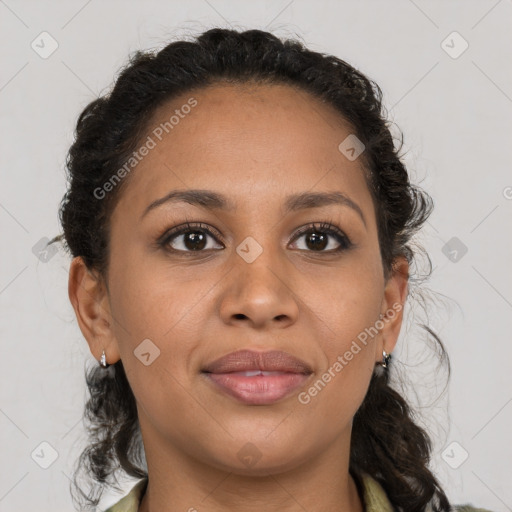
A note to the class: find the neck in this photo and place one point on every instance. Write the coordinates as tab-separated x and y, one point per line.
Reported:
180	482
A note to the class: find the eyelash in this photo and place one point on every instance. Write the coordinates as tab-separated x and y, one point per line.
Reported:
322	227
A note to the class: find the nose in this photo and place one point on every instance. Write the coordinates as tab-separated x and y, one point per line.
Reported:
259	294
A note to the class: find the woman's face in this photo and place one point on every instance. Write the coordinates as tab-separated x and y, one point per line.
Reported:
252	283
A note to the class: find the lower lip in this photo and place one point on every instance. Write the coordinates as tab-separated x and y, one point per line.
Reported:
260	389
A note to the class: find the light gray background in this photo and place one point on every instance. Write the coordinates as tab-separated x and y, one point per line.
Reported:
456	115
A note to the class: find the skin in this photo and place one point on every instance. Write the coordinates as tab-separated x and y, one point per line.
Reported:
257	145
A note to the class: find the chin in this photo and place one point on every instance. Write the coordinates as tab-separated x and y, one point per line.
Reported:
261	459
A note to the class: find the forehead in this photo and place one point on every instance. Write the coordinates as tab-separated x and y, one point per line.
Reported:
254	143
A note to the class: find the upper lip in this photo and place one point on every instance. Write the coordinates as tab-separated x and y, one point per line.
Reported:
247	360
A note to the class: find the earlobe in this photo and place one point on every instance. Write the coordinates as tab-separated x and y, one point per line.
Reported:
395	296
88	296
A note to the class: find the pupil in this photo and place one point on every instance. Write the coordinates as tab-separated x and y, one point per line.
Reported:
191	241
318	241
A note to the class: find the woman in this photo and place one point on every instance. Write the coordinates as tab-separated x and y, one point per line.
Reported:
239	221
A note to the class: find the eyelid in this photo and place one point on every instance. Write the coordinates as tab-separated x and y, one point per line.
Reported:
325	226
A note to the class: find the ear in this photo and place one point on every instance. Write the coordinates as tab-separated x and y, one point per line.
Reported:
89	297
393	302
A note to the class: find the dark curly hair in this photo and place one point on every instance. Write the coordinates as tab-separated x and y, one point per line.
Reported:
386	441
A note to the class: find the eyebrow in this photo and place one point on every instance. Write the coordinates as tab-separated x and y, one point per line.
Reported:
215	201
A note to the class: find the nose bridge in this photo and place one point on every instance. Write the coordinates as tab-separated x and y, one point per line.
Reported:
258	289
257	264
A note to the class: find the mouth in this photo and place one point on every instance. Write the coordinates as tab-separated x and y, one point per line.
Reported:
257	378
258	387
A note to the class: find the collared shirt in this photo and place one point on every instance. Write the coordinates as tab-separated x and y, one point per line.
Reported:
374	498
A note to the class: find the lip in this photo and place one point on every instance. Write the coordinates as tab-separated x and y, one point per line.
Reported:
287	373
247	360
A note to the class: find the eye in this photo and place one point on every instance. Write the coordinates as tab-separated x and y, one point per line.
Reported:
193	237
188	237
317	237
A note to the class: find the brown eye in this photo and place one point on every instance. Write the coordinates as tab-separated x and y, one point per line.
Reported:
319	237
188	238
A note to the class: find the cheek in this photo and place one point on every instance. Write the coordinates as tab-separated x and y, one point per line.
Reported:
345	311
347	343
153	300
156	313
347	305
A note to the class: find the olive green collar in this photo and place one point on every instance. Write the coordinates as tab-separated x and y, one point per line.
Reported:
375	499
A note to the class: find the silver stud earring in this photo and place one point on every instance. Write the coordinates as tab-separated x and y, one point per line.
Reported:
103	360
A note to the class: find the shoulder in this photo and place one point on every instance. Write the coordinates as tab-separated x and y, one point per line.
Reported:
373	495
130	502
376	499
